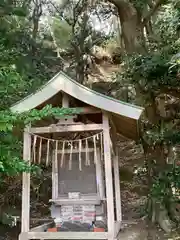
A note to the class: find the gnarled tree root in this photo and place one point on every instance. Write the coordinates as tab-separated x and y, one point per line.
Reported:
159	215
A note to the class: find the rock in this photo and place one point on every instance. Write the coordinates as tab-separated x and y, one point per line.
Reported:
164	221
133	233
9	216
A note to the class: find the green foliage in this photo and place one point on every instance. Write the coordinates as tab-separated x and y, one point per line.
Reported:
11	86
154	75
163	184
79	36
140	5
11	161
62	28
151	74
165	136
153	71
34	115
25	64
11	8
167	24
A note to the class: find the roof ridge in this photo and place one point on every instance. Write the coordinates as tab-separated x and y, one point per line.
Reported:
100	94
80	85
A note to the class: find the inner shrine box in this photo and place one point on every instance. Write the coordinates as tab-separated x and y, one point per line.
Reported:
82	149
79	186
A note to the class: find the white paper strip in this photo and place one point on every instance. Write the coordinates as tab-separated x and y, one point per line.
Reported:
70	156
95	150
47	153
34	148
40	150
62	154
80	159
87	154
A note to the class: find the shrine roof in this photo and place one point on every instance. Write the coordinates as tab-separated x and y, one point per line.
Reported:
126	116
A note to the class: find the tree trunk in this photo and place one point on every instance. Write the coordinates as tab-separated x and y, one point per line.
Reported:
149	29
131	26
156	161
158	211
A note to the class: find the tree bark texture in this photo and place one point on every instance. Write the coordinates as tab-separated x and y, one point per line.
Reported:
133	23
131	26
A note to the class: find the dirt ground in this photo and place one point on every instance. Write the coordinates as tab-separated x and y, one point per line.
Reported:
135	227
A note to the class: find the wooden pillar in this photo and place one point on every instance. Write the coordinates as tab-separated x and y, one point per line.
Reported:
54	176
108	177
65	100
99	176
25	217
117	187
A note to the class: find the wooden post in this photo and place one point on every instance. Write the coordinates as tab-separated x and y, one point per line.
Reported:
54	176
117	187
25	217
108	177
65	100
67	128
99	176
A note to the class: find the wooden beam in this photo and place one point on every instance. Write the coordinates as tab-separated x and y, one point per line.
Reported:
68	128
43	227
99	176
37	219
85	110
114	134
25	217
89	110
23	236
108	177
117	188
54	176
117	229
76	150
67	235
81	201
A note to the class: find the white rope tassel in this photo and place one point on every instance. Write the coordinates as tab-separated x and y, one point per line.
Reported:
34	148
70	156
95	150
47	153
87	154
40	150
80	159
62	154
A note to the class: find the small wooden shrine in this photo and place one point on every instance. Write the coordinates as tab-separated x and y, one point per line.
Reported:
82	150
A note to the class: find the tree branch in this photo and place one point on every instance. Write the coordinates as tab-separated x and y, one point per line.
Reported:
119	3
153	10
